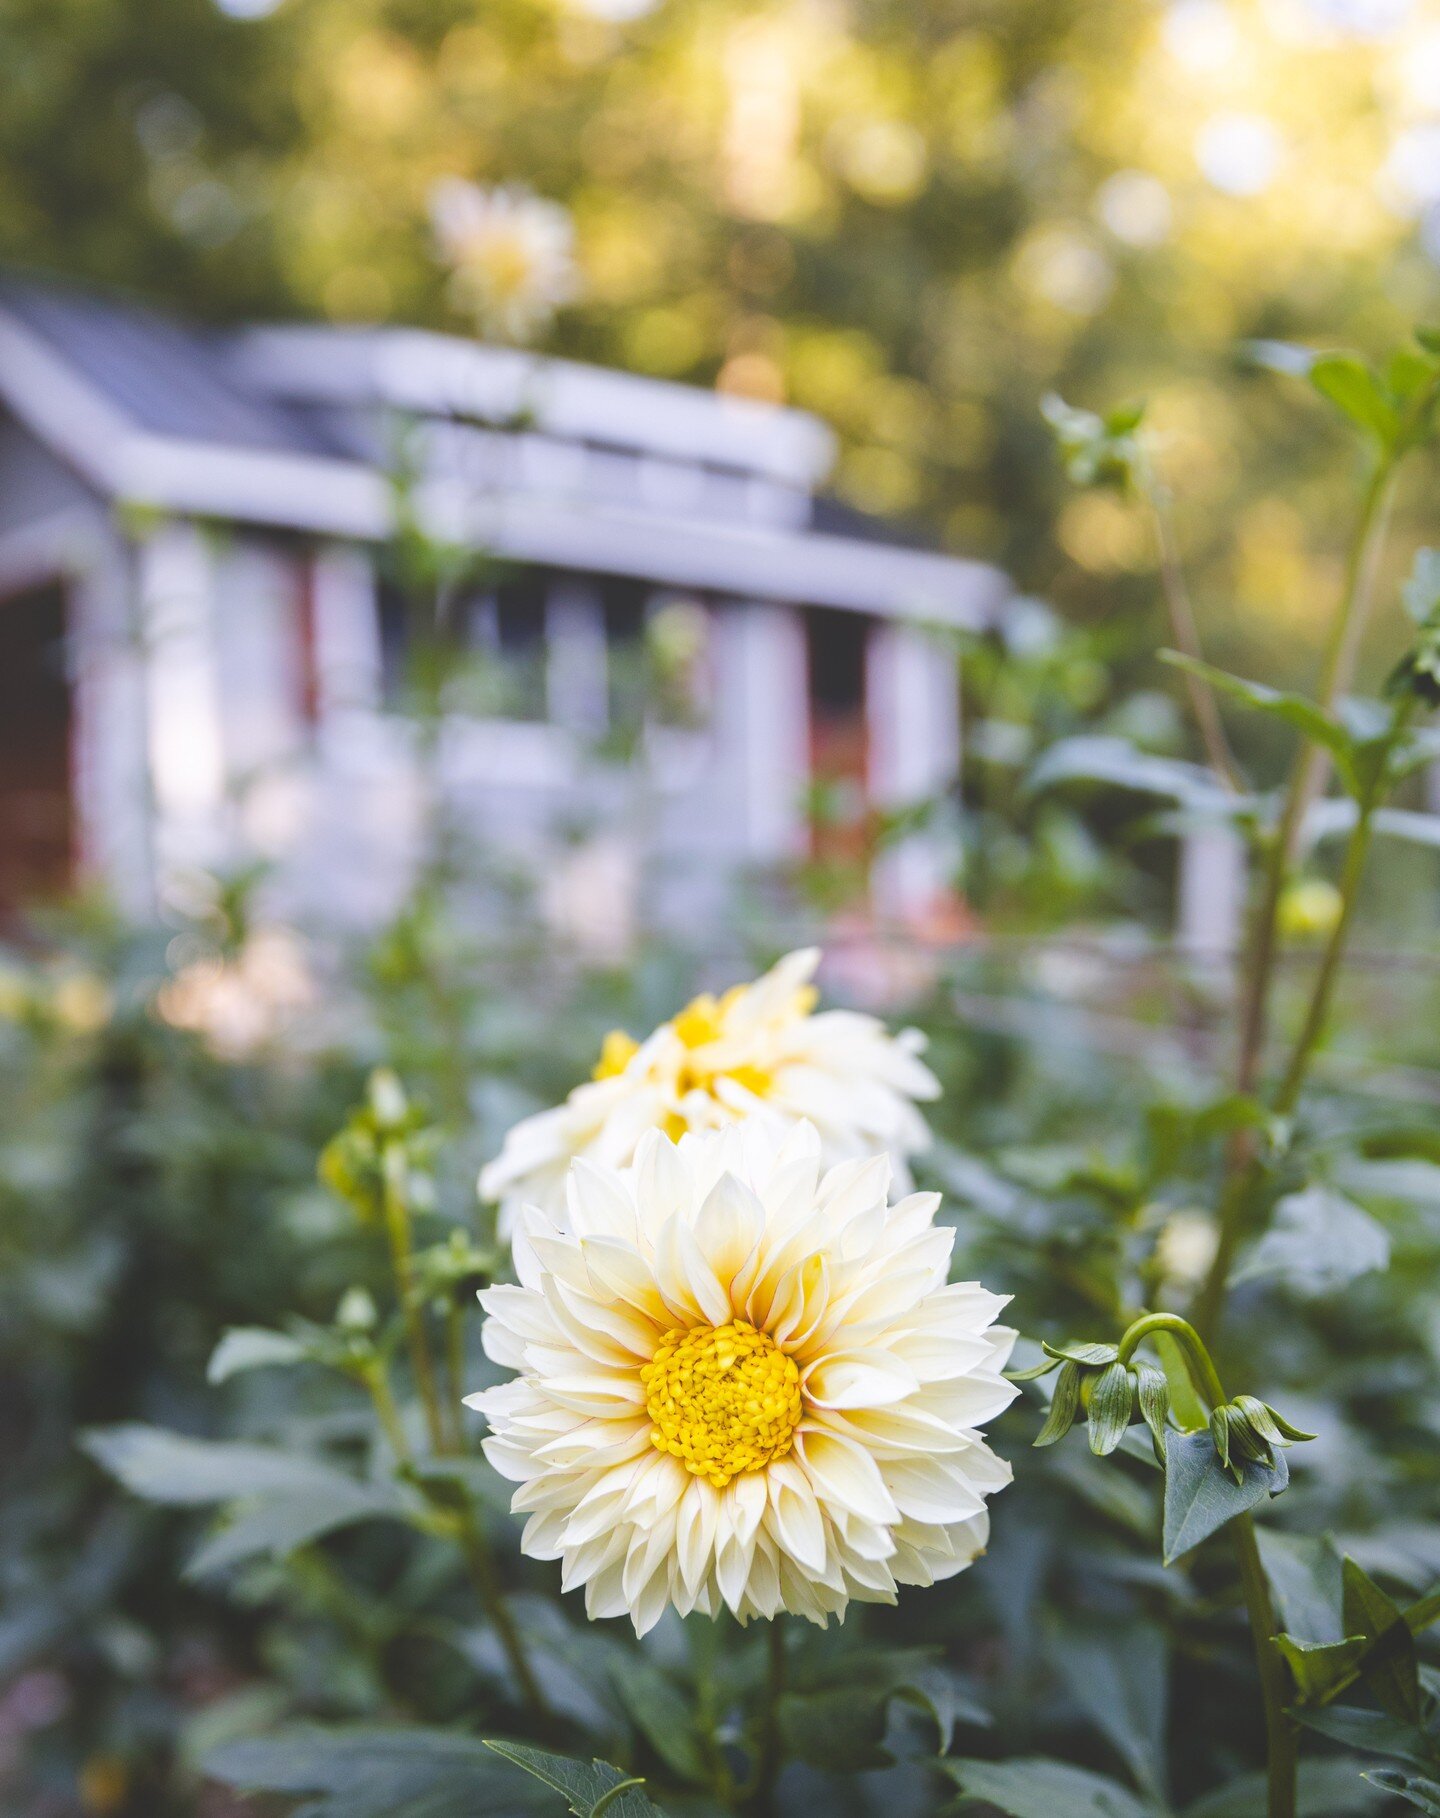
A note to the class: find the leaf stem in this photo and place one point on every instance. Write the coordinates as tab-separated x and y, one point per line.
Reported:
1282	1737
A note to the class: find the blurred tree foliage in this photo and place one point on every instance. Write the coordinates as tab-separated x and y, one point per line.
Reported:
913	219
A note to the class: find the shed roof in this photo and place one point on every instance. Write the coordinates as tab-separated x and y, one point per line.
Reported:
248	426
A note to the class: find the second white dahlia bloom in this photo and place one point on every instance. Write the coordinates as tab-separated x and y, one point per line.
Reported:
761	1051
743	1382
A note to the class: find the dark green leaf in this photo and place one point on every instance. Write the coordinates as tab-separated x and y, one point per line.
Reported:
1294	709
1200	1497
1320	1668
1304	1575
1318	1241
1416	1789
663	1717
1374	1732
588	1788
837	1714
1030	1787
172	1468
1118	1676
939	1691
1330	1788
371	1773
251	1348
1099	759
1389	1670
277	1525
1111	1402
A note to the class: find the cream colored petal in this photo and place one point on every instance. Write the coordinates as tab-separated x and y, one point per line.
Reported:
599	1203
843	1473
726	1230
931	1489
618	1270
858	1379
893	1432
795	1518
600	1327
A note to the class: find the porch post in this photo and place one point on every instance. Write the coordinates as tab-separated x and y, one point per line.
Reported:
175	583
912	710
762	728
110	757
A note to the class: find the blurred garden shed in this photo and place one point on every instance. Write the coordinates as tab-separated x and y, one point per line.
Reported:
200	651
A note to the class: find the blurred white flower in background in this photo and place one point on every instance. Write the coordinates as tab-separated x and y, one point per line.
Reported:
511	254
759	1052
743	1384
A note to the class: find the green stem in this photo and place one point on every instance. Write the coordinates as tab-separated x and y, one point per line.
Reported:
397	1226
455	1369
770	1750
377	1381
1282	1738
1308	772
1192	1348
481	1566
1357	850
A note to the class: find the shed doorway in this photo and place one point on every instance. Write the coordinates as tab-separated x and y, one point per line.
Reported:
37	830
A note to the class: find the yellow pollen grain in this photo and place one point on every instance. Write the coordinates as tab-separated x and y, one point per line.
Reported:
723	1399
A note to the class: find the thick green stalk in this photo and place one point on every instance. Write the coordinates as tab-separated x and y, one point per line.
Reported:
397	1228
767	1766
1282	1738
1242	1174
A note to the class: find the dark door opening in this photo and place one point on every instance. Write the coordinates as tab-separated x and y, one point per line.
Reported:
36	810
836	645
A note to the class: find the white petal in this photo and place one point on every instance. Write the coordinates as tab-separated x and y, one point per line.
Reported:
844	1473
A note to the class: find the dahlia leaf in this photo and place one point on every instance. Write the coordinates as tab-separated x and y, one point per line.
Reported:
589	1789
1200	1497
1031	1787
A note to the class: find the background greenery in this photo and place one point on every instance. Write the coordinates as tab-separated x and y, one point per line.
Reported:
912	219
916	221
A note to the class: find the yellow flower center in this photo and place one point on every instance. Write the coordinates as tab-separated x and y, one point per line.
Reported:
724	1400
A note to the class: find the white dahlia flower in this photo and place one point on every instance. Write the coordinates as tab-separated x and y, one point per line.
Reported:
758	1052
743	1382
512	254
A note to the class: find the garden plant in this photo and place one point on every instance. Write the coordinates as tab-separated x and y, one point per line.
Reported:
597	1490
